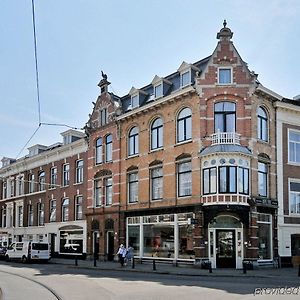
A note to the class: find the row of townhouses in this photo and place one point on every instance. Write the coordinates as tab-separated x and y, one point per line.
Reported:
203	164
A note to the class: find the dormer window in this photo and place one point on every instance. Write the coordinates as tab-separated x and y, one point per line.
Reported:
134	101
225	76
158	90
185	78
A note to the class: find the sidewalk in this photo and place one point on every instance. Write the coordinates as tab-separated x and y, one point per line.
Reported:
184	270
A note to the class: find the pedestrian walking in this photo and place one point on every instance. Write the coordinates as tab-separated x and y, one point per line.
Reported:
121	254
129	253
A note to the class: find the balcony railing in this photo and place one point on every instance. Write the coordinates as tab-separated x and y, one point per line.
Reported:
228	138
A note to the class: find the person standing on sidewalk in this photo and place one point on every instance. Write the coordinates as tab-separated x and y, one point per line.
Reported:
121	253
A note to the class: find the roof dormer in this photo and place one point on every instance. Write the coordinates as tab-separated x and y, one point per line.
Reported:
160	86
136	98
6	161
71	136
187	73
36	149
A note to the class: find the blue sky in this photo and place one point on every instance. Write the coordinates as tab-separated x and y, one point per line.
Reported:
131	41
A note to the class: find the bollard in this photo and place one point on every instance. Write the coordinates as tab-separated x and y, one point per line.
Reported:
244	268
209	267
154	265
76	261
132	263
299	270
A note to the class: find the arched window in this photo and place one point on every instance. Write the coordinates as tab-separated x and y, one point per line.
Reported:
262	124
184	125
157	134
133	141
225	115
108	148
99	150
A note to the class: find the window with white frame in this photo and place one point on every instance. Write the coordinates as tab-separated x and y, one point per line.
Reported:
42	181
227	179
185	78
99	151
31	183
210	181
108	148
133	141
79	171
30	214
156	182
103	116
10	213
133	187
184	179
262	124
262	179
158	90
225	116
66	174
184	125
294	146
108	191
3	217
20	215
20	185
157	134
53	177
97	193
52	217
78	207
225	76
41	219
65	210
294	197
134	101
243	180
10	187
4	190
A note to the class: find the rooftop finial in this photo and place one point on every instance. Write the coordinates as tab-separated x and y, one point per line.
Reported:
224	23
104	76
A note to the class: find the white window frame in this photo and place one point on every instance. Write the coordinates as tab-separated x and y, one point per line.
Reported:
129	201
79	171
31	183
100	195
162	90
53	178
189	70
296	180
52	209
78	205
41	213
19	217
288	137
65	217
131	101
66	171
231	75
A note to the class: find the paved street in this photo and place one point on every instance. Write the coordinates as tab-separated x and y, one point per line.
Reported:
70	282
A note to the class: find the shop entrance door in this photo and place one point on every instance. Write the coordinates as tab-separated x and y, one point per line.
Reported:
225	242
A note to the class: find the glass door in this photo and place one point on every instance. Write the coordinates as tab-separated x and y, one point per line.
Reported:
225	242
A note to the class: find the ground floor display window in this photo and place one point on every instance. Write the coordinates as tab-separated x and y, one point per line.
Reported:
264	222
295	243
71	242
168	236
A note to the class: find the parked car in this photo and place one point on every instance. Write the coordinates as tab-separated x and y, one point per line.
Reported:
28	251
2	251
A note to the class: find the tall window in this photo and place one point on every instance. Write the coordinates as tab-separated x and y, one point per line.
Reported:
30	215
97	193
31	183
134	101
227	179
99	151
225	76
4	190
184	179
210	181
78	208
158	90
133	187
79	171
65	210
133	141
262	124
294	146
42	181
66	174
157	134
41	219
108	148
20	185
184	125
156	183
20	216
262	179
225	116
243	178
294	197
3	217
52	217
185	78
108	191
264	234
103	116
53	177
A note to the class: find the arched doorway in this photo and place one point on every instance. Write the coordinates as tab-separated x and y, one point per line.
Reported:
226	241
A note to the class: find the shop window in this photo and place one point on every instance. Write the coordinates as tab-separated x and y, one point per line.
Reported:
264	223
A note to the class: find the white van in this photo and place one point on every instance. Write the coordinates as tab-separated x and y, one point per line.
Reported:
28	251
